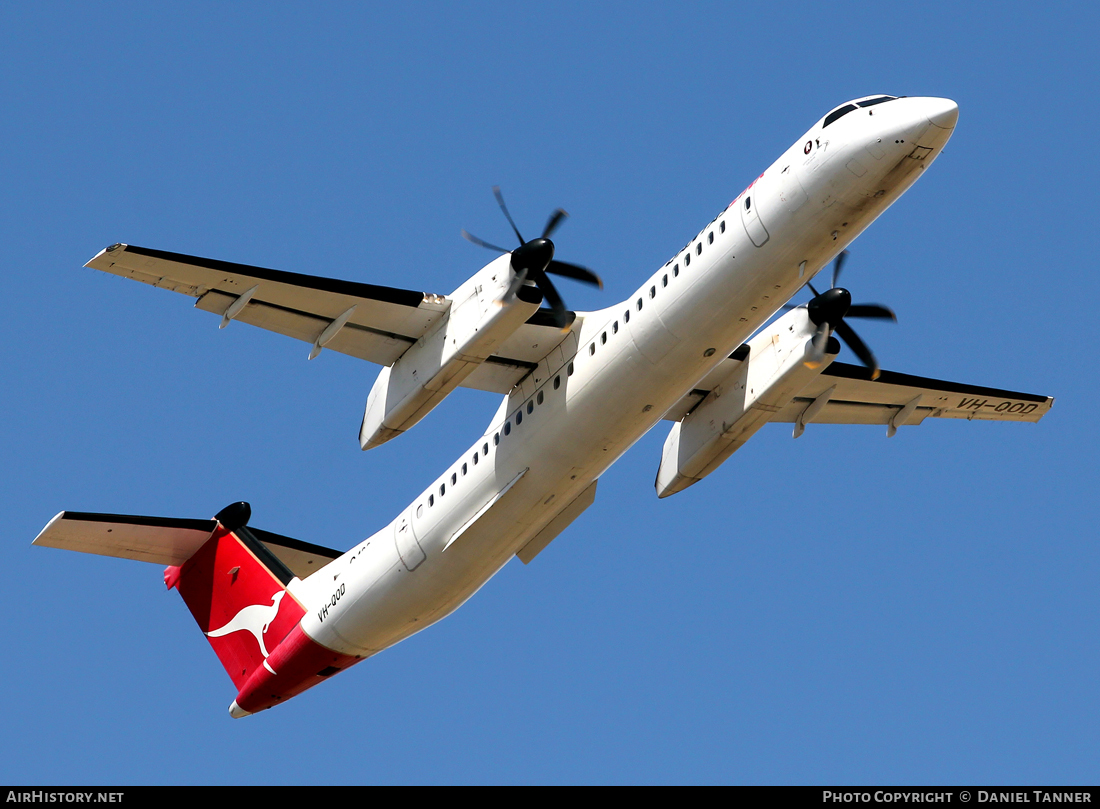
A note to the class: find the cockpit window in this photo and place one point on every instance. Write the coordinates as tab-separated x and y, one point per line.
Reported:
836	114
870	102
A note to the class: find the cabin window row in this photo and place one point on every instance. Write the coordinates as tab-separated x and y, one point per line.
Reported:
676	268
538	399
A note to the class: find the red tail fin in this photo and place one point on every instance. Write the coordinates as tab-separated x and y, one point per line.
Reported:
236	590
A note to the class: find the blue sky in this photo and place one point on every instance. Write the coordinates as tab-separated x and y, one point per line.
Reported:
840	609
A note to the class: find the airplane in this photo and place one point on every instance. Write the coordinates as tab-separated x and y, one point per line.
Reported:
694	345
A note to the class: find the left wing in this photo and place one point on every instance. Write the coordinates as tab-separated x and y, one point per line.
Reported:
373	323
858	399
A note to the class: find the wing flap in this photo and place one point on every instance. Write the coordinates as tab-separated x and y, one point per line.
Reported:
355	340
705	385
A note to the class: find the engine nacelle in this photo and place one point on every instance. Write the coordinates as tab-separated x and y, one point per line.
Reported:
477	322
742	402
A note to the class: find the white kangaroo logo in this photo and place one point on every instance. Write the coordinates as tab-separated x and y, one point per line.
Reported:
255	618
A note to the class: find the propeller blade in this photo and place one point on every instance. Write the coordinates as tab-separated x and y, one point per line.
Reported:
517	281
872	310
811	286
848	335
574	271
552	223
838	265
508	216
820	342
557	306
481	242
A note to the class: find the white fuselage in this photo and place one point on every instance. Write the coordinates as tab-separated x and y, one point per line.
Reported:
619	371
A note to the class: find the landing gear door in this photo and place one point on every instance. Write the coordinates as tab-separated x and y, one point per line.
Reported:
407	545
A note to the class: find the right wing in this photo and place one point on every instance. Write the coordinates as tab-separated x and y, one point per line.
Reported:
374	323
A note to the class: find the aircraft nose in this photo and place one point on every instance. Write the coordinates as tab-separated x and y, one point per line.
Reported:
942	112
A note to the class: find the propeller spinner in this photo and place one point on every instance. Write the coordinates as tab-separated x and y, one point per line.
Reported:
828	309
533	260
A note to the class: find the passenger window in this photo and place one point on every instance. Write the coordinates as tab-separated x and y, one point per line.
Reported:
463	469
592	349
699	249
653	292
431	500
710	237
615	327
557	381
675	270
442	489
454	478
475	459
507	428
420	511
639	304
496	438
485	449
540	397
748	203
687	259
530	406
626	316
569	370
721	227
664	280
519	418
603	338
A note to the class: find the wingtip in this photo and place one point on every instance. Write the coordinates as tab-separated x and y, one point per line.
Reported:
116	247
56	518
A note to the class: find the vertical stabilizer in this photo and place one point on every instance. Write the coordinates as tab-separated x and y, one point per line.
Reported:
236	591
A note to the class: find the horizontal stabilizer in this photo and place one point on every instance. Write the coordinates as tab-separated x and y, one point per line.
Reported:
166	540
161	540
302	558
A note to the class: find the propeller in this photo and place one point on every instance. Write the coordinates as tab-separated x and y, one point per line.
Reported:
828	309
534	260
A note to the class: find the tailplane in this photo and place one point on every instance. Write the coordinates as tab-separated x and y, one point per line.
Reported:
232	578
